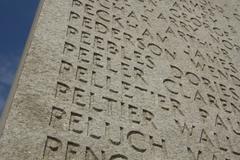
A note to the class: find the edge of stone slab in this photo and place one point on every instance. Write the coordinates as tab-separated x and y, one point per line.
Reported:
7	107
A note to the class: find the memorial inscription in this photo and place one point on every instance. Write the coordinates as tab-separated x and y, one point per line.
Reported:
129	80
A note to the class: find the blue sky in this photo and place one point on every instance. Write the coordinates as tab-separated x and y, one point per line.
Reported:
16	18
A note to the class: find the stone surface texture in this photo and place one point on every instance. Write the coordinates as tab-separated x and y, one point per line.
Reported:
128	80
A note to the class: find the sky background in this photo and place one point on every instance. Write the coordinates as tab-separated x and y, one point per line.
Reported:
16	17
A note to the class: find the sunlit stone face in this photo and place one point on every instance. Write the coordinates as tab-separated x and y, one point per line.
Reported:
128	80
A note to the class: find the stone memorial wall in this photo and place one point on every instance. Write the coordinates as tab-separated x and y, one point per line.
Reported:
128	80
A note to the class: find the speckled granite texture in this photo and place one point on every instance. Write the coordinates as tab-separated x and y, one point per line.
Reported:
128	80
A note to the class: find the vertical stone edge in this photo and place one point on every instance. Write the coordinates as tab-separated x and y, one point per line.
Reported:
8	104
